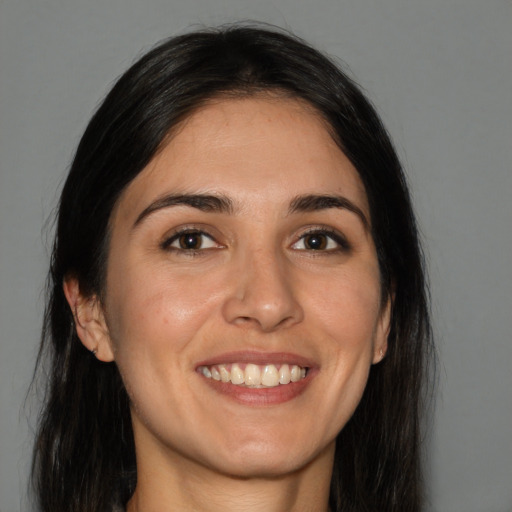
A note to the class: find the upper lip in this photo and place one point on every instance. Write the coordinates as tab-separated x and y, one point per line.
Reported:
259	358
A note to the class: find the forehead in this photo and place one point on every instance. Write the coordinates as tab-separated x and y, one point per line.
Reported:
258	149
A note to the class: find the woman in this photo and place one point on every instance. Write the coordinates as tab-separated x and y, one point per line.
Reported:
237	313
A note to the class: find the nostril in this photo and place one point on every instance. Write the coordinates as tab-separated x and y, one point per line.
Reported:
266	311
246	321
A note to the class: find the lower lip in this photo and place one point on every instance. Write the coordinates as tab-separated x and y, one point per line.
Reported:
260	396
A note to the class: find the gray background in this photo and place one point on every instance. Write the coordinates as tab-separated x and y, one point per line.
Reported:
440	74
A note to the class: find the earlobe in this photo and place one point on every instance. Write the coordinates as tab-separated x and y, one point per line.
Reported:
90	323
382	334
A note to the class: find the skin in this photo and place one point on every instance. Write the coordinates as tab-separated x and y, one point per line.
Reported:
254	284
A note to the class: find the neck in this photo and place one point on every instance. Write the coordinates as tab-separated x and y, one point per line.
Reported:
186	486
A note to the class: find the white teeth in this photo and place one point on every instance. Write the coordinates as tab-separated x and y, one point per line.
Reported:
237	374
225	376
295	374
253	375
270	377
284	374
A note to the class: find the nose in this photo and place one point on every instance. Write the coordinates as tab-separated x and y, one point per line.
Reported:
262	295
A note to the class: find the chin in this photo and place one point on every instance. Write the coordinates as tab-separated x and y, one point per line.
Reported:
263	459
261	467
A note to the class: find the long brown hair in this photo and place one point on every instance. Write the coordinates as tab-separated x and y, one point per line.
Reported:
84	458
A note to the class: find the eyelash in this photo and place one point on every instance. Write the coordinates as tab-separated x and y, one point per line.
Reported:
167	244
334	236
341	242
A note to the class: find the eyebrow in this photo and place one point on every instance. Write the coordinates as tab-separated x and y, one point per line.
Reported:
313	203
223	204
203	202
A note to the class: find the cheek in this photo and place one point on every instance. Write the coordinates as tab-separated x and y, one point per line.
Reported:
348	308
153	321
349	318
153	313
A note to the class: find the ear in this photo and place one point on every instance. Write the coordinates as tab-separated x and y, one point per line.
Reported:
382	331
90	322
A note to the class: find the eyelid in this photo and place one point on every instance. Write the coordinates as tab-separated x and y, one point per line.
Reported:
337	237
176	233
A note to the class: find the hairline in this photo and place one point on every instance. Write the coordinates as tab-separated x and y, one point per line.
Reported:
271	93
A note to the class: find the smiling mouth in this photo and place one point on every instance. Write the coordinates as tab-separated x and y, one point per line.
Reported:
254	375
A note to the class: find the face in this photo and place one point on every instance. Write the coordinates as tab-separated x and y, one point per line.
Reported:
243	300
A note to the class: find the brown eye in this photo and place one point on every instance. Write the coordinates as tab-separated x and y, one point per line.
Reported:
322	240
190	241
315	242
